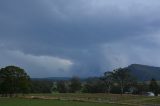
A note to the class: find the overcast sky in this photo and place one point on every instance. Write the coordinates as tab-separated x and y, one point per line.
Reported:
60	38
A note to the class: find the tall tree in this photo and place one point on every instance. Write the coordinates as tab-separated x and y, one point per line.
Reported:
108	80
94	85
41	86
153	86
14	80
75	84
62	87
122	76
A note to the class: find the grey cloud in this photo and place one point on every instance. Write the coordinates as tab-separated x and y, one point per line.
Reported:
79	31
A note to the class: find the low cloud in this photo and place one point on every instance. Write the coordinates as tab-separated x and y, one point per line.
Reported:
37	65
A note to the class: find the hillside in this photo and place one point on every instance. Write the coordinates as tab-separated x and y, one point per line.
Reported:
141	72
53	78
144	72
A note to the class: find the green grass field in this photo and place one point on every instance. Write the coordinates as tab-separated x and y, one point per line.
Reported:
80	100
37	102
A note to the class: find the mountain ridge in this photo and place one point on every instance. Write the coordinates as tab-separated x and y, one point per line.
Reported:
144	72
139	71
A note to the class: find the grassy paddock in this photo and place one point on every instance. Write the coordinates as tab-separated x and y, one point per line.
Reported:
104	98
100	97
80	100
39	102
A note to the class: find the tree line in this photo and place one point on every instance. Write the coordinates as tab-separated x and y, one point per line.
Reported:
118	81
14	80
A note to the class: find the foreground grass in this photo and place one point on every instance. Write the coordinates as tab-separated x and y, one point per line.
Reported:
101	97
41	102
80	100
133	100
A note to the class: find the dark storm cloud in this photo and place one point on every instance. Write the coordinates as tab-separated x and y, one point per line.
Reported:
84	37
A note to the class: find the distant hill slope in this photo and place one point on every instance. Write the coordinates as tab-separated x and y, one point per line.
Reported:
53	78
144	72
57	78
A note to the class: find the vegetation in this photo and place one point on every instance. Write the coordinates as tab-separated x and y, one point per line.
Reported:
62	87
75	84
122	77
108	80
91	91
13	80
94	85
153	86
41	86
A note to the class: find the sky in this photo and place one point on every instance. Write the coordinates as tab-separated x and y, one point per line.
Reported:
64	38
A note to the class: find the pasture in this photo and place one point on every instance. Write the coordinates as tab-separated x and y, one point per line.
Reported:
38	102
80	100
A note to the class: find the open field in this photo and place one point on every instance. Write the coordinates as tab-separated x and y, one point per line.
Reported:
37	102
80	100
102	98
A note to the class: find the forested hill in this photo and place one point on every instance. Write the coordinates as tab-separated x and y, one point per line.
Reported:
53	78
141	72
144	72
